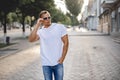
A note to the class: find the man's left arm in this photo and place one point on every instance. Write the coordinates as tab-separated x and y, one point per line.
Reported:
65	48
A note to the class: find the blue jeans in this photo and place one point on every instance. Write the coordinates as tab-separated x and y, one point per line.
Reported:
56	70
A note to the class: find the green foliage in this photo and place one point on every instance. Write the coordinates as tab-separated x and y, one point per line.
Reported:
8	5
33	7
74	6
12	17
28	20
23	10
67	21
59	17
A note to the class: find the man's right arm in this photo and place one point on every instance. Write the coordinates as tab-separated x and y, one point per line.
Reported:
33	36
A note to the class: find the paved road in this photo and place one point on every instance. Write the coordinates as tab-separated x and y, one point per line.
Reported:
90	57
93	58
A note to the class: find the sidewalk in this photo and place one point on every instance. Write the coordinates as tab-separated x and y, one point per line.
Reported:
116	37
18	42
19	45
83	32
14	33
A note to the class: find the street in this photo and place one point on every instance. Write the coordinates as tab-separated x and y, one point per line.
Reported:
91	56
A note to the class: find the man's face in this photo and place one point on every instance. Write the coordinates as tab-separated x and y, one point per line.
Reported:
46	19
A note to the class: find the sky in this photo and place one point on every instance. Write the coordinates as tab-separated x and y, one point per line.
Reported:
61	5
83	8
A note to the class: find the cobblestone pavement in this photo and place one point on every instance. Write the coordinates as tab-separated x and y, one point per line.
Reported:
90	57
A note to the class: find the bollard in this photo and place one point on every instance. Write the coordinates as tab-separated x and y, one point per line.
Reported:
7	40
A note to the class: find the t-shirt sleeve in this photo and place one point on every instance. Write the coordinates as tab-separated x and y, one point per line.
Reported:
63	31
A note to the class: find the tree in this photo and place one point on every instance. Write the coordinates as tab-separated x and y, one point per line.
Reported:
32	8
59	16
7	6
74	6
24	9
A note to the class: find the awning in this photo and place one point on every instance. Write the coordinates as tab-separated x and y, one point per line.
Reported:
111	4
107	5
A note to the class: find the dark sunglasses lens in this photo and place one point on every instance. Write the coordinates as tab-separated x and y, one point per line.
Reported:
49	17
46	18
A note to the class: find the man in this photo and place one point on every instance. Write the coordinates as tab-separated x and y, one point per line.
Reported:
53	45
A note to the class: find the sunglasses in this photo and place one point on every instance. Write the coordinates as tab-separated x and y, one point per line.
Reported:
46	18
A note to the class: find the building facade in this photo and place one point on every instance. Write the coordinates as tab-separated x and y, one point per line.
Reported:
103	15
110	18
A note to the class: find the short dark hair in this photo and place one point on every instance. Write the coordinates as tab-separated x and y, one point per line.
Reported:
43	12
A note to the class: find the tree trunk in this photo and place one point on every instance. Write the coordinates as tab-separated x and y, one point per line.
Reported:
4	23
23	28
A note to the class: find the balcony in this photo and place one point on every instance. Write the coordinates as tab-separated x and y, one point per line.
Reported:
108	3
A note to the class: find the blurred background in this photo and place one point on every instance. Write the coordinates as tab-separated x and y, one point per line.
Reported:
93	27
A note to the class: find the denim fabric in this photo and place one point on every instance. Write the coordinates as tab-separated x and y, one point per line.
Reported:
57	71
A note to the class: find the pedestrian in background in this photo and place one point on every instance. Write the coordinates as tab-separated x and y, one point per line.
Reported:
53	45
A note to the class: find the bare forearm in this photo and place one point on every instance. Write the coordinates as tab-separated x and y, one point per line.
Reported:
33	34
65	49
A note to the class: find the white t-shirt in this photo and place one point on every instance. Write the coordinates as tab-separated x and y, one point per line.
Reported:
51	44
